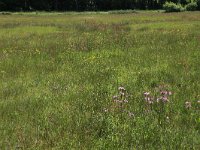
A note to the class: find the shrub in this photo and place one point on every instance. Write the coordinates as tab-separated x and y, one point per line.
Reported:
172	7
191	6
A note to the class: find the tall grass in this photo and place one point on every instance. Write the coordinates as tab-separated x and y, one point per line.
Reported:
59	74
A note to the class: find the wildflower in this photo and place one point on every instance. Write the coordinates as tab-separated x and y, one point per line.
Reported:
188	105
165	99
115	97
122	93
125	101
118	101
146	94
150	102
169	93
121	89
198	101
147	98
164	93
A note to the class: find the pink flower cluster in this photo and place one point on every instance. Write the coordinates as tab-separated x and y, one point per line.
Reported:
163	97
121	97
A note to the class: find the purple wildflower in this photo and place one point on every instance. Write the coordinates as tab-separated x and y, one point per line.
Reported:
165	99
146	94
164	93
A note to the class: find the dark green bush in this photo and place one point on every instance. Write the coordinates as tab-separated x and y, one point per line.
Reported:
191	6
198	4
2	6
173	7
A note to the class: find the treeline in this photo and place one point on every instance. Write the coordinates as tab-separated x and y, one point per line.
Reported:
83	5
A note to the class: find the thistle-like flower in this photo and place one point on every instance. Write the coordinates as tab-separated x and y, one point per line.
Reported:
165	99
166	93
148	98
121	89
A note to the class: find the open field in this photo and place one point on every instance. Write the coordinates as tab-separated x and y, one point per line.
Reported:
59	72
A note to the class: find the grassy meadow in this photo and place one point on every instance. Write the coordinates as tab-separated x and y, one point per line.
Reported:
60	71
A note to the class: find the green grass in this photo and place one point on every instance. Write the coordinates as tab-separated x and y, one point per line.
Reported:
59	72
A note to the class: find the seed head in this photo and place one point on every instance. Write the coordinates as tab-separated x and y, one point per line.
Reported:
188	105
121	89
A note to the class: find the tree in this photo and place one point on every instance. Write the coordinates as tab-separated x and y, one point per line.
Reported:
82	5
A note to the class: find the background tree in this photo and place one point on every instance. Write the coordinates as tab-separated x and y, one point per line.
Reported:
83	5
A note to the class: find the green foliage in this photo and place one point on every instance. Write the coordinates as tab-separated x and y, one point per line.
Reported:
172	7
191	6
198	4
84	5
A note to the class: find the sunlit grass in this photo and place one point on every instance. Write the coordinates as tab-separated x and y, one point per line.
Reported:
59	72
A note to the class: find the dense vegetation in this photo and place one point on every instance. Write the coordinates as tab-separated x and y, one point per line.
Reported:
82	5
62	80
